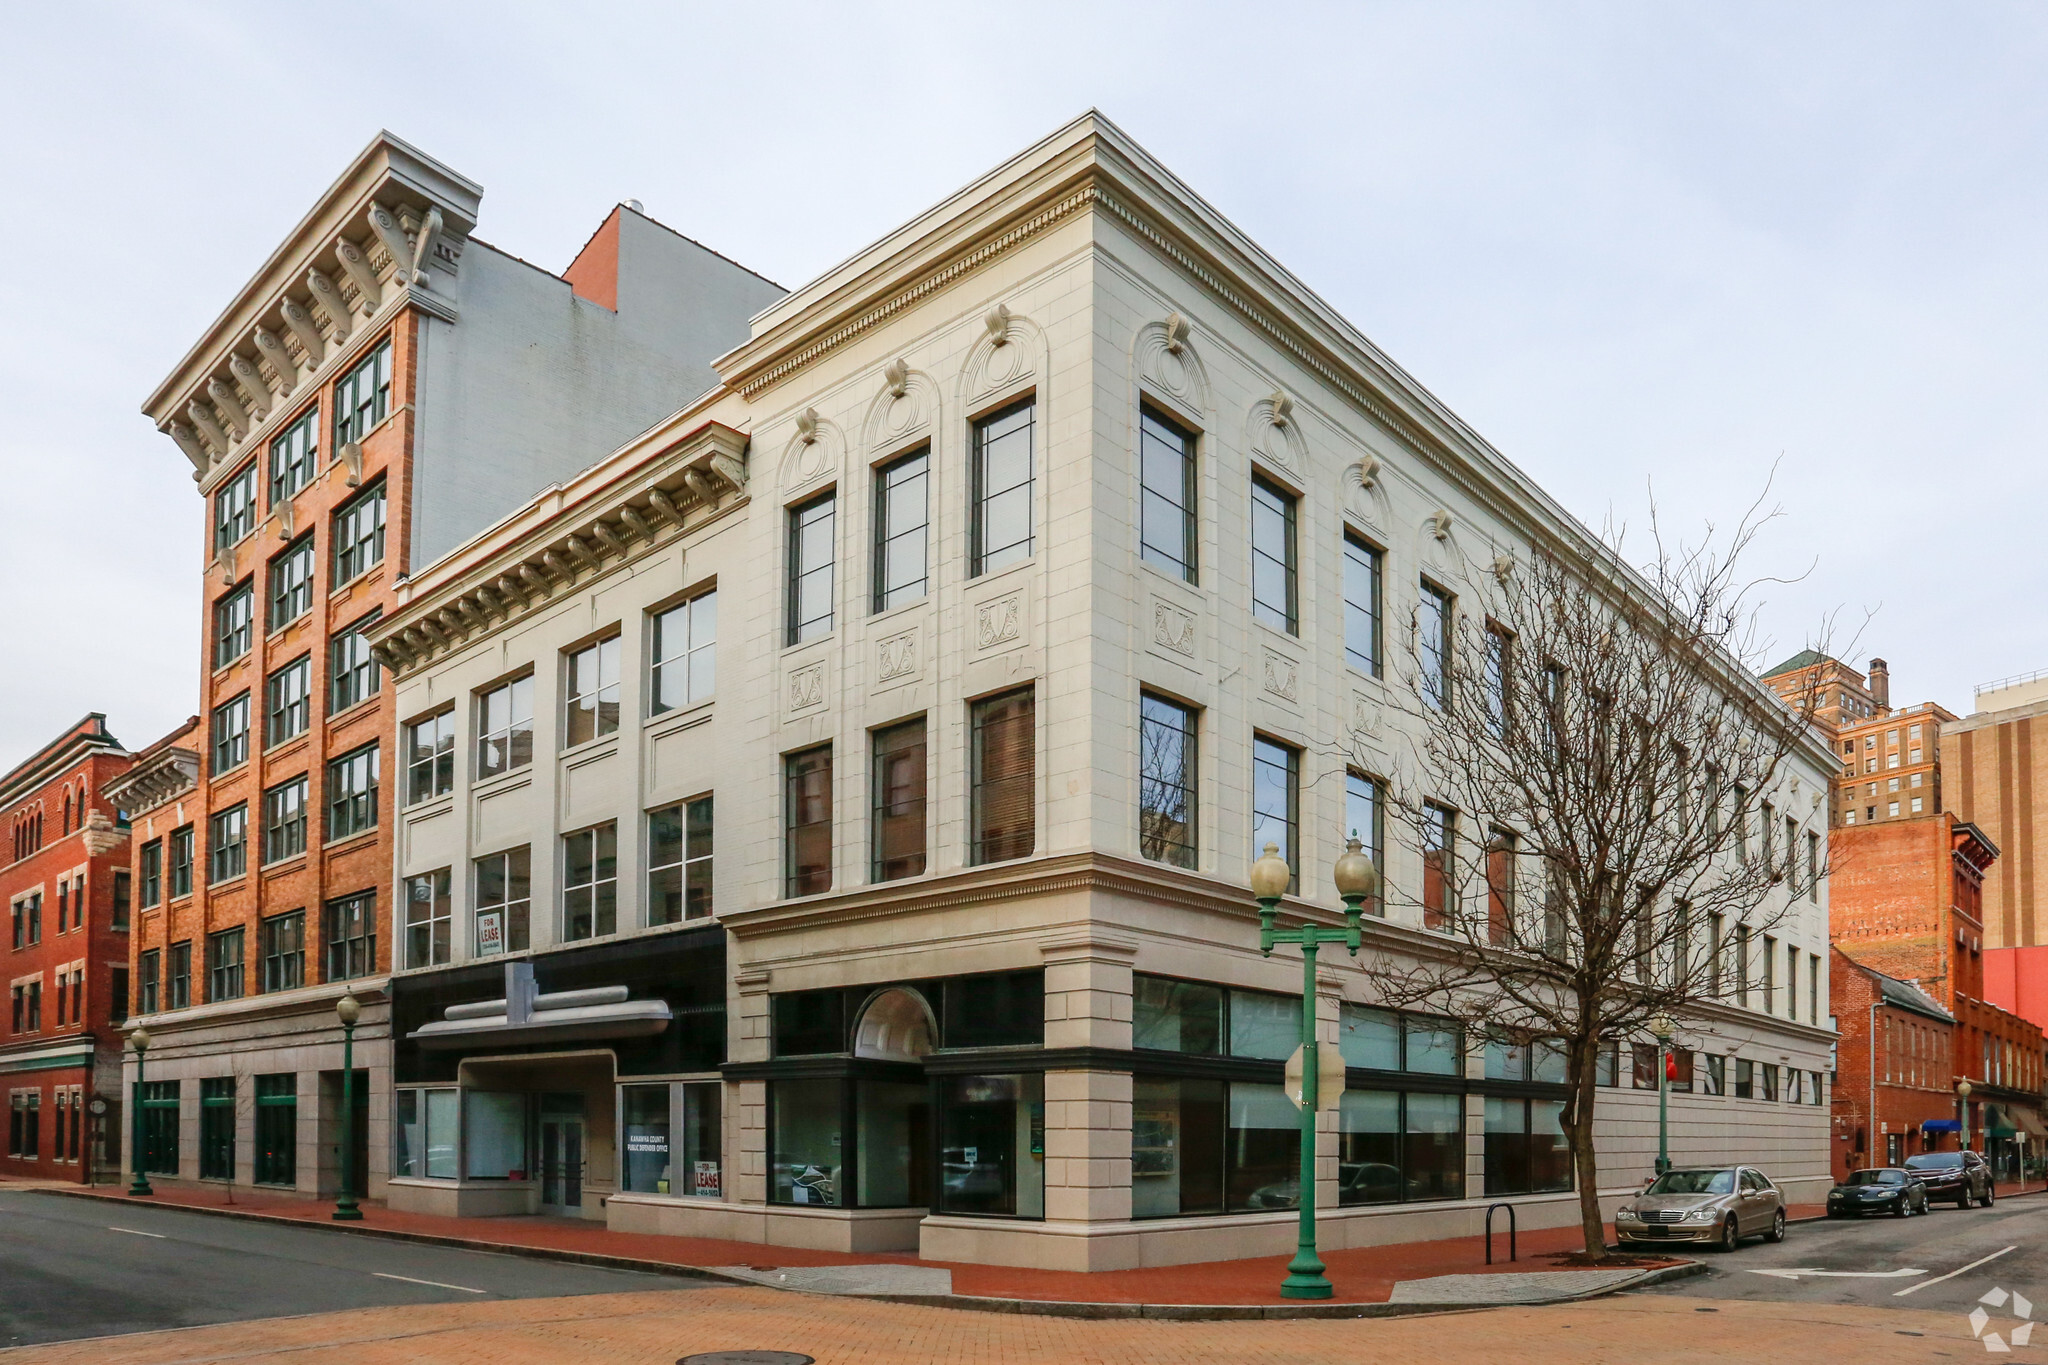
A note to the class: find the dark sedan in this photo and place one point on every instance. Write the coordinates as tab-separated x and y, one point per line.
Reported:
1958	1176
1885	1189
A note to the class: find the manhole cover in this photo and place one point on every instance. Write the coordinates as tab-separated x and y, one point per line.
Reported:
748	1358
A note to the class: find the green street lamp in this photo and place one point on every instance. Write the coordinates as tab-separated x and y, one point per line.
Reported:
348	1011
1356	879
140	1040
1662	1029
1963	1105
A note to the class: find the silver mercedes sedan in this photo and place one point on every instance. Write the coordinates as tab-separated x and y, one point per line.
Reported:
1714	1205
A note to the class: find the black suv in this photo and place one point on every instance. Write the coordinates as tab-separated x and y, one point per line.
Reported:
1961	1176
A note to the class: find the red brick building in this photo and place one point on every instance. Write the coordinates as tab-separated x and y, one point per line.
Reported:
66	884
1894	1066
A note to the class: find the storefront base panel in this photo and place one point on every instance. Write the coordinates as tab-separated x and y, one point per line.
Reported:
447	1200
844	1230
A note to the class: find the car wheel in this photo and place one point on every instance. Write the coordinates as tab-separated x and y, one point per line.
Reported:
1899	1209
1777	1232
1731	1236
1990	1195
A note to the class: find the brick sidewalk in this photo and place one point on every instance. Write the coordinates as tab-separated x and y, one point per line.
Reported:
657	1328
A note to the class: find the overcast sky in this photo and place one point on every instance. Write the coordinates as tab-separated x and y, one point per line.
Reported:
1631	244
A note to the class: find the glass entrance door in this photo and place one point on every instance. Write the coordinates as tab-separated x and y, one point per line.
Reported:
561	1154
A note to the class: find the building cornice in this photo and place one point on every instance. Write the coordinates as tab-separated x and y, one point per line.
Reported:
157	780
386	235
616	513
85	740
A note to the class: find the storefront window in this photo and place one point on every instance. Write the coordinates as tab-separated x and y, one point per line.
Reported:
703	1146
1525	1147
992	1145
1264	1026
647	1165
1263	1149
1176	1016
1369	1038
893	1139
426	1133
495	1134
1393	1146
804	1142
1200	1146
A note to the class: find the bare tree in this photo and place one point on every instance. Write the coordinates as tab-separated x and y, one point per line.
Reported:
1592	732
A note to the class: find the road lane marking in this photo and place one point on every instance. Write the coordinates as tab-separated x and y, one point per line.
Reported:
1793	1274
1911	1288
459	1288
138	1232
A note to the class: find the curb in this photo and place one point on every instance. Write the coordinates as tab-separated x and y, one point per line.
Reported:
1050	1308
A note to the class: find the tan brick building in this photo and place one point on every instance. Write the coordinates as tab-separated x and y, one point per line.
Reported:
1997	763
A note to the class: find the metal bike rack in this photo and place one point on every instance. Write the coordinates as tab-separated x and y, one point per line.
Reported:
1489	1230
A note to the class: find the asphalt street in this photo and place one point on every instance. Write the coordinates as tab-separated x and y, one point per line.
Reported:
73	1268
1955	1256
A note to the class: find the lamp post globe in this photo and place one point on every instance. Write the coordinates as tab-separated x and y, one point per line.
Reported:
139	1040
1270	875
347	1009
1357	879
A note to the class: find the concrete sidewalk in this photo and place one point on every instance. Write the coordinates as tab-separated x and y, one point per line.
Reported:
1369	1281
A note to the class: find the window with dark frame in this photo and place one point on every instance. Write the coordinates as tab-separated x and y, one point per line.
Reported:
1274	590
898	795
231	734
224	965
362	397
277	1130
1434	614
685	668
1167	770
811	533
149	970
807	821
351	936
151	866
217	1126
590	702
1365	818
430	756
234	508
227	843
283	939
679	862
1500	888
294	457
1002	788
288	702
178	977
1004	472
504	901
590	882
504	738
178	858
234	617
284	820
359	535
902	530
1166	494
1276	803
352	792
1362	605
1439	866
291	583
430	918
353	674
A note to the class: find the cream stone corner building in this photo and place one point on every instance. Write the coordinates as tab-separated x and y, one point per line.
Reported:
825	820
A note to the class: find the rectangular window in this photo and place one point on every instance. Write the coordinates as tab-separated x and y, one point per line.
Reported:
1767	1081
227	844
1211	1146
233	617
1004	474
288	702
590	882
231	734
504	901
284	951
811	531
1362	638
591	704
352	793
685	654
1276	802
1166	781
284	820
152	866
807	822
1166	506
1365	820
1273	564
991	1145
178	977
504	728
1525	1146
352	672
224	965
294	457
217	1128
430	757
1717	937
1434	615
178	861
352	936
902	528
160	1127
429	919
277	1130
1002	783
234	508
898	795
1500	888
359	535
1439	866
1813	988
679	862
806	1119
291	583
149	973
1770	982
362	397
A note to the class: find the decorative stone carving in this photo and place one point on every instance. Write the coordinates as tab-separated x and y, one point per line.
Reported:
1173	628
1282	408
272	350
730	468
203	418
305	330
1167	364
1365	472
329	295
287	522
1272	432
896	657
423	245
391	234
100	836
999	622
813	452
907	403
188	441
351	457
998	324
227	405
1439	523
358	267
1282	678
1365	715
1001	357
897	378
1502	568
806	687
807	426
251	380
1177	332
664	504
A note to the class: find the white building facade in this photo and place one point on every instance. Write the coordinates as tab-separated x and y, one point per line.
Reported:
825	821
